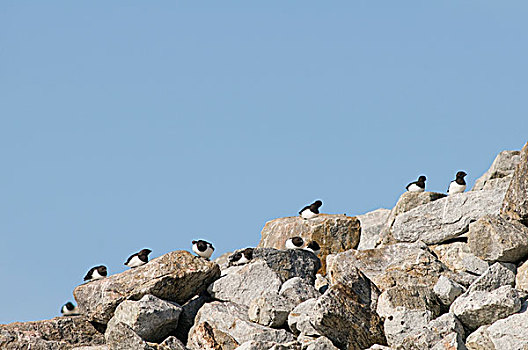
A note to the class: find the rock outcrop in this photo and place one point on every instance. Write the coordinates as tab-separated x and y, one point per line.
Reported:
515	204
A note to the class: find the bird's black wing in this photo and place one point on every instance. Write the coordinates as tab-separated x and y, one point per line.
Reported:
130	258
409	185
89	274
303	209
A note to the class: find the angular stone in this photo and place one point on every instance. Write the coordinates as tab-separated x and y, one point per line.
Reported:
510	333
290	263
445	218
479	308
299	320
493	238
121	337
403	264
188	314
151	318
242	284
458	257
406	202
233	319
57	333
521	280
371	225
176	276
515	204
426	335
171	343
503	166
452	341
298	290
479	340
402	322
270	310
417	297
447	291
334	233
206	337
322	343
497	275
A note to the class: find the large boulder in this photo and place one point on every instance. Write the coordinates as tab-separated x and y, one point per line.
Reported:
427	335
406	202
403	264
510	333
497	275
500	171
493	238
515	204
480	340
233	319
57	333
371	225
445	218
121	337
270	310
151	318
479	308
176	276
290	263
458	257
334	233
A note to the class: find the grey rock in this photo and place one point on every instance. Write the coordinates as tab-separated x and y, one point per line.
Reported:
233	319
402	322
151	318
447	291
479	340
400	264
458	257
371	225
493	238
521	280
290	263
510	333
270	310
171	343
242	284
515	206
321	343
121	337
334	233
451	341
298	290
188	314
479	308
410	298
57	333
256	345
503	166
445	218
176	276
497	275
406	202
206	337
426	336
299	319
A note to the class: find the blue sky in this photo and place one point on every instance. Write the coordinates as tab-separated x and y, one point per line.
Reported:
132	124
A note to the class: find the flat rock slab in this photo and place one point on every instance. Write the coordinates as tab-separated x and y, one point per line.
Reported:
458	257
57	333
290	263
445	218
510	333
493	238
515	204
371	225
176	276
334	233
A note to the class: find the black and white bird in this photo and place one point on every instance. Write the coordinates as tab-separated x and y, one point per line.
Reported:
458	185
294	243
202	248
96	273
138	259
417	186
241	257
69	309
314	247
311	211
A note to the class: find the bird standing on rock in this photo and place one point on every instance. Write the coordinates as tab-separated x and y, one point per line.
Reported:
417	186
96	273
69	309
203	248
138	259
294	243
311	211
458	185
314	247
241	257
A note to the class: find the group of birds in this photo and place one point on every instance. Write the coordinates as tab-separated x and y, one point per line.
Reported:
205	249
458	185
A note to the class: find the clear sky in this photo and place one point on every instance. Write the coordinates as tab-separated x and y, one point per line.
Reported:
133	124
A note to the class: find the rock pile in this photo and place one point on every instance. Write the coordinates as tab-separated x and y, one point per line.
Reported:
435	272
